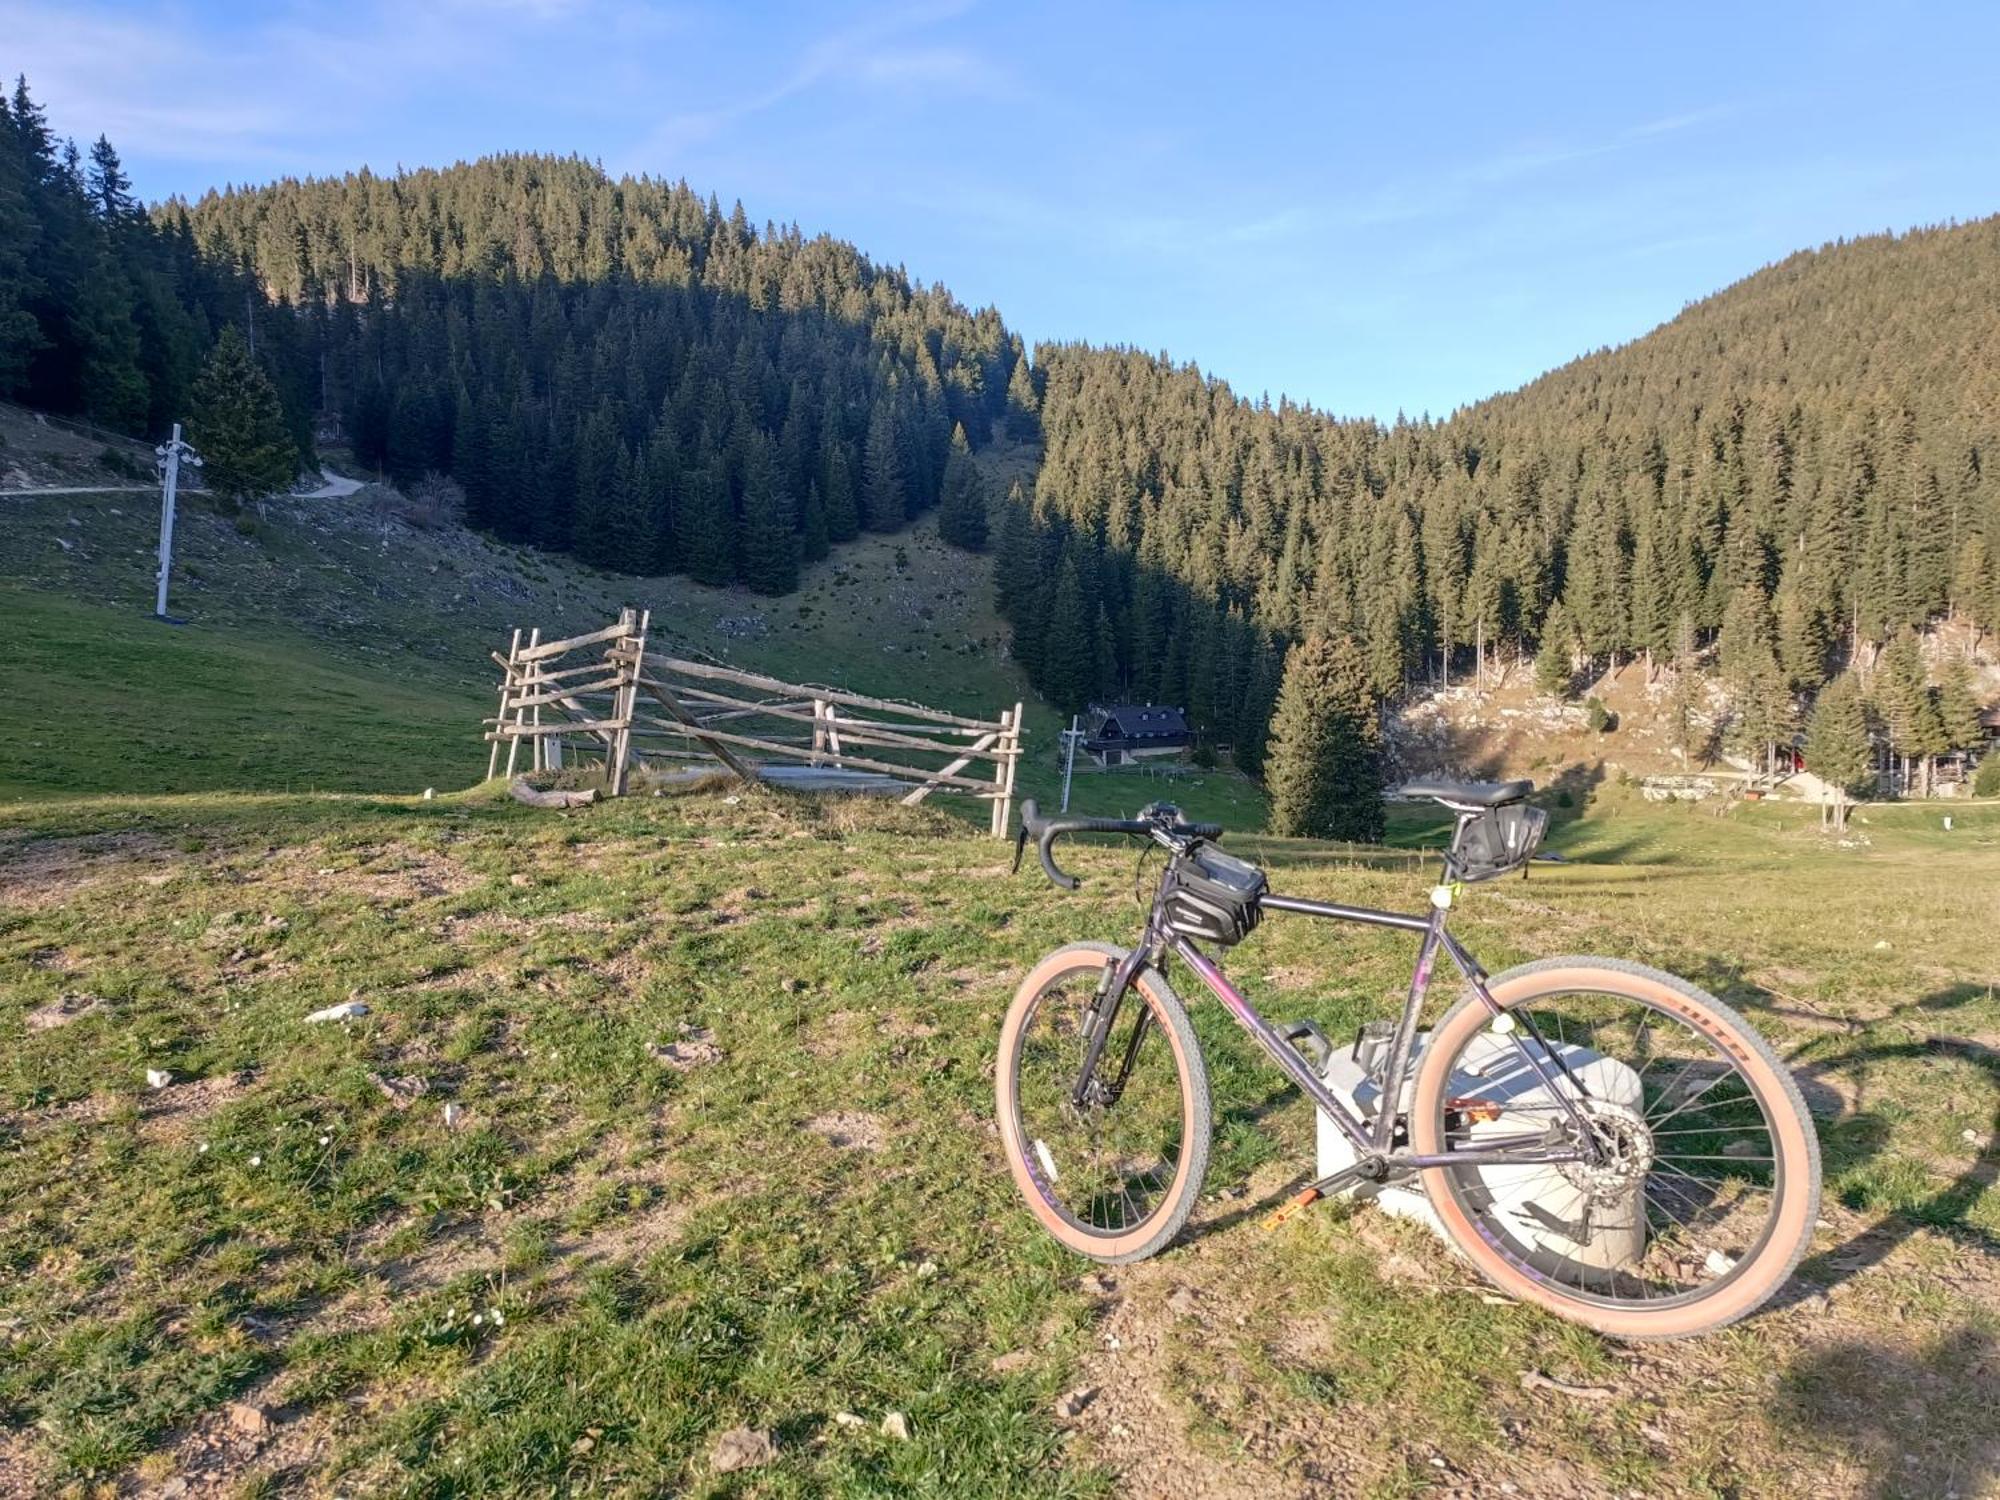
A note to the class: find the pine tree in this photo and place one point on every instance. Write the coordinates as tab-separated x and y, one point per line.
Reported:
708	533
1838	748
1958	707
843	511
1324	763
770	547
962	507
1554	660
1023	403
814	543
20	235
238	426
110	188
1069	665
885	485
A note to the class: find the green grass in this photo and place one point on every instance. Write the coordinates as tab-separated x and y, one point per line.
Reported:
116	701
674	1254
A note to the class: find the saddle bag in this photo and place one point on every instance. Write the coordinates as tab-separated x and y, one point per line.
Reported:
1497	840
1214	897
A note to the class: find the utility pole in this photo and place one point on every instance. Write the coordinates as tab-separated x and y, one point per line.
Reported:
1071	738
170	456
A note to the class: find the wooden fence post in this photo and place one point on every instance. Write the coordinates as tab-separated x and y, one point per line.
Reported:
1003	771
626	699
506	683
514	742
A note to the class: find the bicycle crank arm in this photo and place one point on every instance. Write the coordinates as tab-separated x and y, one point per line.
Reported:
1368	1169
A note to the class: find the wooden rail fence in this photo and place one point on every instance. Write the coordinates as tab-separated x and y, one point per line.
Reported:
603	695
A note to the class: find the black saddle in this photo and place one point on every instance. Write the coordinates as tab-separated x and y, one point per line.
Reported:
1469	793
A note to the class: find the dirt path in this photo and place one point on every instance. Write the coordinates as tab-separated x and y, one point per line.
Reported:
81	489
332	487
335	487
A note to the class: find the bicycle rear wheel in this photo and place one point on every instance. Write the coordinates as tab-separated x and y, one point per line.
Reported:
1706	1189
1116	1178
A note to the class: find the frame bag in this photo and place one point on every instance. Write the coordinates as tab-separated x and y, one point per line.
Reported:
1214	897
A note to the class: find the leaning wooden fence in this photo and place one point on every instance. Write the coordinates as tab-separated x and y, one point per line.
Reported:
605	696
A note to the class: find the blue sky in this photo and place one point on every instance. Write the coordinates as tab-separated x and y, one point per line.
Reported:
1369	207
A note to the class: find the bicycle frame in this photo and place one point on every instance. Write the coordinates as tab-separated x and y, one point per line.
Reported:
1374	1147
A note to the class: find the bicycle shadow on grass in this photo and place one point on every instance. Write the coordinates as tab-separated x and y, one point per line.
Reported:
1916	1423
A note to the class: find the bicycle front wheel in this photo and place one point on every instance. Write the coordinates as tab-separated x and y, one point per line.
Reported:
1115	1177
1703	1187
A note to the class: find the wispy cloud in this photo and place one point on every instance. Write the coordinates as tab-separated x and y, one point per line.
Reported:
870	53
296	88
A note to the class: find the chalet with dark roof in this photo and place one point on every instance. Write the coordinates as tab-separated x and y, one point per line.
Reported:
1117	734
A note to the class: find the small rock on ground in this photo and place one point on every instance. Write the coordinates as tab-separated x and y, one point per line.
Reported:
1072	1403
743	1448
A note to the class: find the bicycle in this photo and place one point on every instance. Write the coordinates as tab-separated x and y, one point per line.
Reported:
1599	1138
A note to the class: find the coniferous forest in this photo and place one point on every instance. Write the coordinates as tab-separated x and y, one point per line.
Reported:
1797	471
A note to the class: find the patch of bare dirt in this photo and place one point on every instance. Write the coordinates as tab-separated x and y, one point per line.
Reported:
171	1114
37	873
851	1130
407	875
64	1009
221	1451
23	1471
833	1034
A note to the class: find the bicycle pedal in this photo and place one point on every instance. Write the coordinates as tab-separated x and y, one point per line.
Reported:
1291	1206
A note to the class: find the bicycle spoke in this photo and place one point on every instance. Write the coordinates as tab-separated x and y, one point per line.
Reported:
1699	1178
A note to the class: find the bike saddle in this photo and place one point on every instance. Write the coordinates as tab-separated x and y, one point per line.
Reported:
1468	793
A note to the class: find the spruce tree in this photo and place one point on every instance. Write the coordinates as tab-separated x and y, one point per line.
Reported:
843	511
110	188
1323	766
1838	748
814	543
1023	403
1975	587
885	485
1068	675
708	531
1554	664
20	235
1902	694
962	507
770	547
238	426
1958	707
1801	642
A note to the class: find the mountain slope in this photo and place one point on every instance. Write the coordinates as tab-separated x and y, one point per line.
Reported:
1810	454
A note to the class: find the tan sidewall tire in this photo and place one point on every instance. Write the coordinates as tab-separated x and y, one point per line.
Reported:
1798	1205
1153	1235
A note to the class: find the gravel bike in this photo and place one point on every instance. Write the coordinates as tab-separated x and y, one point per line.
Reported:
1599	1138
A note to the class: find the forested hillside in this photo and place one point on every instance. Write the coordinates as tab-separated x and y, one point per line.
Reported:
104	313
1800	464
616	368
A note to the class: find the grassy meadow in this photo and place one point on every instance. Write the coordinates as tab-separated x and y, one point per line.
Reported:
672	1116
286	1270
